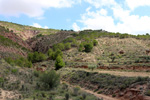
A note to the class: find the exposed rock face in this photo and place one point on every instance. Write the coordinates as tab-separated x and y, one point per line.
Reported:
42	44
15	38
27	34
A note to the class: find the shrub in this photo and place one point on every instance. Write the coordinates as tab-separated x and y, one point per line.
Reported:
1	82
36	57
28	64
59	46
56	54
14	71
9	60
88	47
95	43
147	93
67	46
81	48
67	96
22	62
59	63
50	53
50	79
76	91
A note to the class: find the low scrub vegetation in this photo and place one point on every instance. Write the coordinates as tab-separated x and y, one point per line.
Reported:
49	80
22	62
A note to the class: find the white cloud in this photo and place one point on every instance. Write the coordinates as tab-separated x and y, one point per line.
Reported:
39	26
96	20
126	23
137	3
75	27
100	3
31	8
103	12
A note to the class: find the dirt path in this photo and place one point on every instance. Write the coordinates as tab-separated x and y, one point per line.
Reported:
118	73
5	95
101	96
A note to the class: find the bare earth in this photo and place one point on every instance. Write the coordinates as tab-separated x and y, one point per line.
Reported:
117	73
5	95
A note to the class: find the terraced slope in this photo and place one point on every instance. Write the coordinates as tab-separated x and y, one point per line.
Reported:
126	52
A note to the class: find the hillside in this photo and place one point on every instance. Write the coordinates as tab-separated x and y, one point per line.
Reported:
26	32
49	64
11	44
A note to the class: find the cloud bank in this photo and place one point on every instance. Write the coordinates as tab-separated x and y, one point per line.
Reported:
121	19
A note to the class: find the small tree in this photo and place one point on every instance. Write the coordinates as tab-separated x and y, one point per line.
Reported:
50	53
57	53
59	63
88	47
50	79
112	57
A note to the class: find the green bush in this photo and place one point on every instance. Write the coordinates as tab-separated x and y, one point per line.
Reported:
147	93
88	47
50	53
81	48
59	46
59	63
22	62
36	57
56	54
95	43
14	71
50	79
67	46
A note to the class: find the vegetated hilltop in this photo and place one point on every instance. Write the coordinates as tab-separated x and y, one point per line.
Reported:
88	47
26	32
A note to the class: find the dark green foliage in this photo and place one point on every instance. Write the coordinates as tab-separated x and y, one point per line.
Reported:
59	63
81	47
67	46
50	53
9	60
22	62
50	80
57	53
7	42
39	35
14	71
59	46
147	93
67	96
95	43
36	57
112	57
1	80
36	73
88	47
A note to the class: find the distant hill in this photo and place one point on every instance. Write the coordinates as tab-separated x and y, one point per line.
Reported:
26	32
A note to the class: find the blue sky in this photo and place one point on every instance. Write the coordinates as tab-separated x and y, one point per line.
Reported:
125	16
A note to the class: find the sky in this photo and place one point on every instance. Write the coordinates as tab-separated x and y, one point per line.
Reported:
124	16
